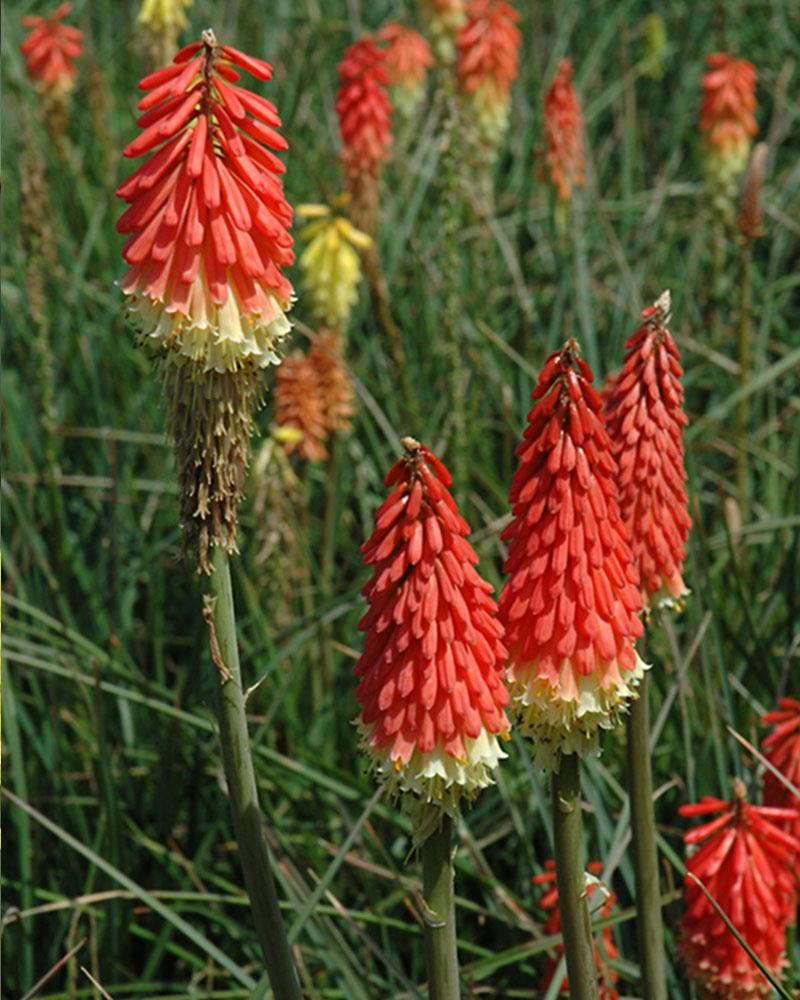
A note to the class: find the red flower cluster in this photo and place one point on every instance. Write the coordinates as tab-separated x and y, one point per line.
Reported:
408	59
51	48
488	62
208	218
432	692
571	604
729	102
563	122
607	977
364	109
746	862
782	750
645	421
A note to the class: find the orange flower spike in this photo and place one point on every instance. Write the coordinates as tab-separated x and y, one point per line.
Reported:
727	122
565	133
298	405
51	49
607	977
431	694
645	420
208	219
364	109
571	603
488	64
408	59
746	862
727	116
782	750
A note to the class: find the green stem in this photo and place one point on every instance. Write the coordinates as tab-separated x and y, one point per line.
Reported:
329	551
441	951
567	835
649	925
240	776
743	407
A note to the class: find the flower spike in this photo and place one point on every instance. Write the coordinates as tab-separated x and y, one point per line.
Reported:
564	128
208	220
207	227
782	750
51	49
365	117
745	858
727	123
431	694
571	604
645	421
488	65
408	59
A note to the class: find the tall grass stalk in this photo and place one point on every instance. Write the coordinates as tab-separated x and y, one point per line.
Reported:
568	844
743	406
441	951
649	927
218	610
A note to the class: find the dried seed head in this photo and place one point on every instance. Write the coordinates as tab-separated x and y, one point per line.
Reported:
750	212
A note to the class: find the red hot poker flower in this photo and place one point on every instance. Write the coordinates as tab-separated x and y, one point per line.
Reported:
745	860
208	219
729	101
443	19
408	59
51	48
645	420
607	977
364	109
432	693
782	750
564	129
571	604
488	63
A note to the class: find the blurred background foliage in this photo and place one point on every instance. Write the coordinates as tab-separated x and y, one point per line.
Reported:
119	837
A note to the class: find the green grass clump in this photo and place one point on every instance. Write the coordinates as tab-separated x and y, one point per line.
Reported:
125	841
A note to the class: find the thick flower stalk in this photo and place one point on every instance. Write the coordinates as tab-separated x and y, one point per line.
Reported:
443	20
50	51
331	262
162	22
565	134
745	858
431	694
782	749
365	118
408	59
607	976
571	604
208	237
728	124
488	65
645	420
